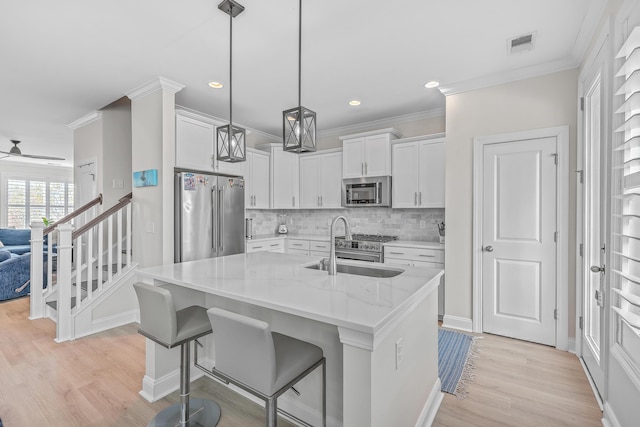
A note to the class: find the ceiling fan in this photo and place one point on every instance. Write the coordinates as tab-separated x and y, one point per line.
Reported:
15	152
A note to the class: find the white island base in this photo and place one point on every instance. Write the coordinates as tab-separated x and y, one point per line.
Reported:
379	335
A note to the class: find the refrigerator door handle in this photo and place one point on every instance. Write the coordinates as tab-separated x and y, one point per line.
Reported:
214	220
220	217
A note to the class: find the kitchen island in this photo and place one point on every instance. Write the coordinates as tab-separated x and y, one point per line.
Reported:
379	335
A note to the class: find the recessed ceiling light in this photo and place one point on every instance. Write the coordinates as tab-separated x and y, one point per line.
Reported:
354	102
215	85
432	84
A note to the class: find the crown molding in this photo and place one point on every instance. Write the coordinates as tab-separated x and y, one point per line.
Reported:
85	120
217	121
510	76
362	127
154	85
392	131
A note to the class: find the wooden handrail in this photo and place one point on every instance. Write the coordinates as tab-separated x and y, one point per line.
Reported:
81	209
124	201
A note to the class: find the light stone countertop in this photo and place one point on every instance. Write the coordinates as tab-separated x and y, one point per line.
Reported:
419	244
280	282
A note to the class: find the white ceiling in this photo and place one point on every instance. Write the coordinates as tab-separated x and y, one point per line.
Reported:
61	60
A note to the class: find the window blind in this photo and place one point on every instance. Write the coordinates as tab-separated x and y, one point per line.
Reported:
625	281
29	200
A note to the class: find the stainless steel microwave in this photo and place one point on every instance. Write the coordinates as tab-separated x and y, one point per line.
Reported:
369	191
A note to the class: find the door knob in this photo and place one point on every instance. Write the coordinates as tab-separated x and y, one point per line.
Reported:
488	248
597	269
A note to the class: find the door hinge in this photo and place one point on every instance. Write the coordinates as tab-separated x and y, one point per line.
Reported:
555	158
580	176
582	104
581	323
555	314
581	249
555	236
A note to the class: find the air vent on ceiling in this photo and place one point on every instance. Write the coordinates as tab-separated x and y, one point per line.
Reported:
520	44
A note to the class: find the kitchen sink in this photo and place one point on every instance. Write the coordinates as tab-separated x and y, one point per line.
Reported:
358	270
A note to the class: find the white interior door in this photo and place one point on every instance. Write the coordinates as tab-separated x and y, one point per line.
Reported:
519	239
594	197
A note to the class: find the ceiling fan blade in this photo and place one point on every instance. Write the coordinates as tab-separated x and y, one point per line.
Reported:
9	154
32	156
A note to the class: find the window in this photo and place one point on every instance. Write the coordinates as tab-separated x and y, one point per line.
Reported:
625	298
29	200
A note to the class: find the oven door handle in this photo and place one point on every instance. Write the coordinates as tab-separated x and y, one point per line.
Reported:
359	256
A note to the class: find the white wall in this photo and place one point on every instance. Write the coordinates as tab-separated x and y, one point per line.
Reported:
539	102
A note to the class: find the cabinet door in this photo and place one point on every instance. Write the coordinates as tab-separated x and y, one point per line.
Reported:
405	176
285	185
194	143
260	180
377	155
353	158
236	168
331	180
431	174
309	184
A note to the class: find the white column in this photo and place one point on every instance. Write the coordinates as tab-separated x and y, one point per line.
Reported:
36	299
64	326
153	147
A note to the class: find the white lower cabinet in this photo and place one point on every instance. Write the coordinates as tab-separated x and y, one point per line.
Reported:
266	245
297	246
305	246
414	256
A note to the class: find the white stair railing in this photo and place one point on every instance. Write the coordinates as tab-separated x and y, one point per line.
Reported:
81	255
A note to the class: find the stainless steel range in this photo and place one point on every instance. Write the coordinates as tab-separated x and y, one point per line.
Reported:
362	247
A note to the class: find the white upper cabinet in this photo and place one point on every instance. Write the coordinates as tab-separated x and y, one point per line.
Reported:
195	145
256	180
418	172
285	179
321	180
367	154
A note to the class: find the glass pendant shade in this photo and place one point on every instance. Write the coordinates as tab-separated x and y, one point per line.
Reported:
299	130
231	143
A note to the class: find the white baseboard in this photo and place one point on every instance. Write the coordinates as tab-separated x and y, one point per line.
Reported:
609	418
460	323
431	407
154	390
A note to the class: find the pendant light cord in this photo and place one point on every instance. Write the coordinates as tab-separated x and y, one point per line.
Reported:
300	54
231	72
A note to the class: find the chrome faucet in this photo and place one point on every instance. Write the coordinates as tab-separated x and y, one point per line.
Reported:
333	266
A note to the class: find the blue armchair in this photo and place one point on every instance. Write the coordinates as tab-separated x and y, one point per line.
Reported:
15	272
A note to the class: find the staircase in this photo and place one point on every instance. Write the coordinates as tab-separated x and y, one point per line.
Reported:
90	273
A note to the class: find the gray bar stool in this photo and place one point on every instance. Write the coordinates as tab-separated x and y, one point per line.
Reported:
161	323
261	362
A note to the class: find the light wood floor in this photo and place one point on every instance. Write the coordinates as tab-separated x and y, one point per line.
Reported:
95	382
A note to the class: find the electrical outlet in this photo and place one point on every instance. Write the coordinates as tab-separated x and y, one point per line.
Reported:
423	224
329	222
399	353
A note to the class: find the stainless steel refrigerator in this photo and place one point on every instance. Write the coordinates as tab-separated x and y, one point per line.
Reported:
209	216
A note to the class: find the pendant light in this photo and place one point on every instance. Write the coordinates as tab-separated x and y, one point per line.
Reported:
231	140
299	123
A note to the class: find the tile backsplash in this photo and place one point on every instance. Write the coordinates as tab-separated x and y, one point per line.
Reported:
407	224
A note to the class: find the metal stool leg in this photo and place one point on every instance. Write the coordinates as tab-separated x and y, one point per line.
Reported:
185	379
271	409
189	412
